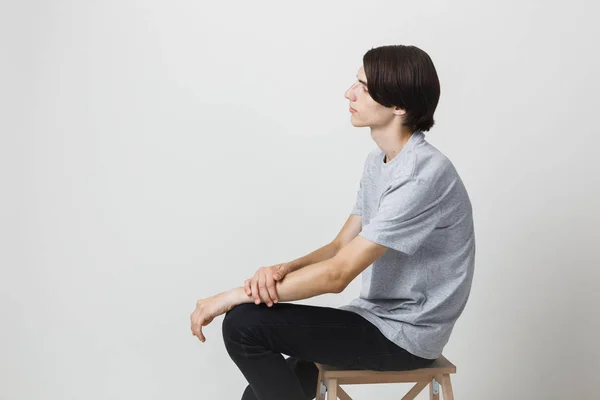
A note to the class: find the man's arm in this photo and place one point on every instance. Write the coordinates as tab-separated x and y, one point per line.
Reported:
329	276
263	285
306	282
348	232
321	254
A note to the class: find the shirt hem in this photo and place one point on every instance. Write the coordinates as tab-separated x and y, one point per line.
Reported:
397	339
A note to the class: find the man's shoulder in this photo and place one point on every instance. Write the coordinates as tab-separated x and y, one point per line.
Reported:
431	163
371	158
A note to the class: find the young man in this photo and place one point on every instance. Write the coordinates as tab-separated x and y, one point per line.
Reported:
410	235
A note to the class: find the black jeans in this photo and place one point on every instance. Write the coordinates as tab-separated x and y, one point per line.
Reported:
256	336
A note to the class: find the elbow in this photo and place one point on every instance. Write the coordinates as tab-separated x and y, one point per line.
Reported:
336	245
337	281
337	289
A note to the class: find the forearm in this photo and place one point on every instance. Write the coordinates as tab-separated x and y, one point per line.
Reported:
321	254
310	281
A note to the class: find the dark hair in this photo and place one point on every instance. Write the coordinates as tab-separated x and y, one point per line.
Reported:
404	76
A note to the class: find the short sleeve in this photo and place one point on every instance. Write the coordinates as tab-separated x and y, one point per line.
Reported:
408	213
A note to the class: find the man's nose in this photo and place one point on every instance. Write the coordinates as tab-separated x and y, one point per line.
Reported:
350	95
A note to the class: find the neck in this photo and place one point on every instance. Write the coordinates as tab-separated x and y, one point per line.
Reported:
390	141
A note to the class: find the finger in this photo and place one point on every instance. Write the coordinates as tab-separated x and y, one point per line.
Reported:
279	273
247	287
194	327
197	327
254	286
271	289
192	324
262	288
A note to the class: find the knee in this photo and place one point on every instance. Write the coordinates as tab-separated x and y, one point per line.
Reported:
249	394
237	321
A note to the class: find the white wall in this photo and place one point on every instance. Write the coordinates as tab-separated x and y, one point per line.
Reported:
153	153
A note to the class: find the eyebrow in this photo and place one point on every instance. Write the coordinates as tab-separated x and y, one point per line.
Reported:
363	82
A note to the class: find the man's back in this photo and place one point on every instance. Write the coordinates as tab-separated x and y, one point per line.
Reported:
417	206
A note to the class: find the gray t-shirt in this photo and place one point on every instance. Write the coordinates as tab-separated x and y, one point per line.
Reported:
417	206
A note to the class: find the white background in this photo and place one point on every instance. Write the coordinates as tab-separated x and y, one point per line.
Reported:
155	153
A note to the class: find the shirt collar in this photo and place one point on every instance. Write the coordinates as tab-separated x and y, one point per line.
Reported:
416	138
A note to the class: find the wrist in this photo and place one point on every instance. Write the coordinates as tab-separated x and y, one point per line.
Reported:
292	266
239	296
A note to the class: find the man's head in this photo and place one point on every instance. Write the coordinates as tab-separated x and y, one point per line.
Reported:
397	85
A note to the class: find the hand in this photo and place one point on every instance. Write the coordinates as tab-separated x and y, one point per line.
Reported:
262	284
209	308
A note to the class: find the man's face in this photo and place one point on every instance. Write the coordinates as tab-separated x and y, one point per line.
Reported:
368	111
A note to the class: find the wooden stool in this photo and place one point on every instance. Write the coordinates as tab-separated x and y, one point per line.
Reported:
438	372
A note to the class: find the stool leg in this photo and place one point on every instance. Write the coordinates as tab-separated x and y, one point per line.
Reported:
332	389
319	384
414	392
447	387
434	388
342	394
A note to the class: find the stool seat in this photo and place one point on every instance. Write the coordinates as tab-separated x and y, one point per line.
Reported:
437	373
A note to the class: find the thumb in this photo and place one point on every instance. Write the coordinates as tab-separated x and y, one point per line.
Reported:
279	273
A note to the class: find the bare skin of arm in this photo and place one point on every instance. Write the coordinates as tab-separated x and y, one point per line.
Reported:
351	228
328	276
262	285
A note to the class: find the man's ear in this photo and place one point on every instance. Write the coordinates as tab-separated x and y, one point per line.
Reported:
399	111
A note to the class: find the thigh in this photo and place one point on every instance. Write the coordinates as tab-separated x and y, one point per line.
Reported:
326	335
